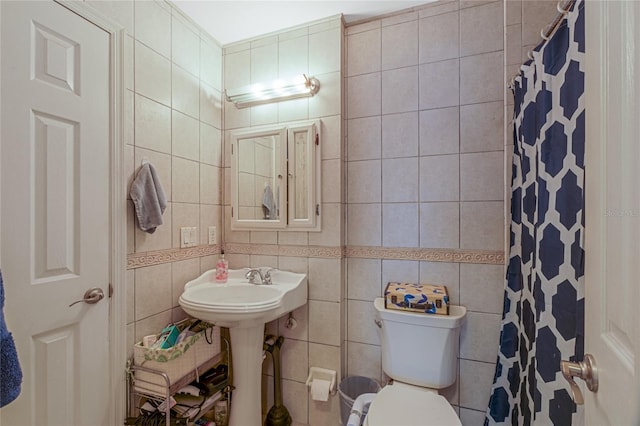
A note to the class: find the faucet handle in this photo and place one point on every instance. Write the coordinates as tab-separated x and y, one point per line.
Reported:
267	275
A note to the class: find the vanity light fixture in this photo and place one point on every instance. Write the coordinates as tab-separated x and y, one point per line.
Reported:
279	90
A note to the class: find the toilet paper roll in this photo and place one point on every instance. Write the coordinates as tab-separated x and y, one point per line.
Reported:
320	390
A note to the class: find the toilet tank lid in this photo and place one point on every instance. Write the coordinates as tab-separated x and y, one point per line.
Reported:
453	320
410	406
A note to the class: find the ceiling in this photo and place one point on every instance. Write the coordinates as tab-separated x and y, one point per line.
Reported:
231	21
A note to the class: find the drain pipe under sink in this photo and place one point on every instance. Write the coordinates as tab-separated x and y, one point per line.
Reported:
358	405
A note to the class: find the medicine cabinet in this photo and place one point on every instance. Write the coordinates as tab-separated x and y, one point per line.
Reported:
275	177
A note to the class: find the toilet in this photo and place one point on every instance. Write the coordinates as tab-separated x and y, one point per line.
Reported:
419	352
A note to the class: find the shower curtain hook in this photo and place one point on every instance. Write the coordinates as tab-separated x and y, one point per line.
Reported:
560	8
543	34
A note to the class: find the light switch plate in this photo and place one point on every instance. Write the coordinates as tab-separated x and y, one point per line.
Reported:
212	235
188	236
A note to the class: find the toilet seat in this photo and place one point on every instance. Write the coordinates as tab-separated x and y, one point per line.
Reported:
406	405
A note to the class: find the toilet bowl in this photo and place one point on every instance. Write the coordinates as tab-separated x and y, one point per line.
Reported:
400	404
419	352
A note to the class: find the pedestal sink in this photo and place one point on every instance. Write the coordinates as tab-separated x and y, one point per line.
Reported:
244	308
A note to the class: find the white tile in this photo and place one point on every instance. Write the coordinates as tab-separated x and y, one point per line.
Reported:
400	45
328	101
399	90
364	138
129	118
481	29
185	181
211	106
185	47
514	12
479	337
399	271
209	184
181	273
294	264
153	290
400	180
536	15
438	8
513	45
294	396
324	356
293	57
363	95
472	417
482	176
324	321
152	325
364	360
331	142
364	181
364	52
211	64
264	66
119	11
264	114
481	225
400	135
185	92
325	281
153	26
439	131
264	237
210	216
331	234
152	125
210	145
400	225
443	273
363	278
360	325
482	127
439	225
237	69
184	215
152	75
439	179
475	384
439	37
439	85
294	360
325	48
294	109
359	28
301	331
293	238
364	225
481	78
129	167
482	287
185	136
129	61
331	181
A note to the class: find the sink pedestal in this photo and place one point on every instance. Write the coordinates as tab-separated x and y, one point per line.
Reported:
246	349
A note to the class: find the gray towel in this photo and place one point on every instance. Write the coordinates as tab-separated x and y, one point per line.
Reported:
268	205
148	198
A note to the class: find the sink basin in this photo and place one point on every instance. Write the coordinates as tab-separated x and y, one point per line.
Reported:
237	303
244	308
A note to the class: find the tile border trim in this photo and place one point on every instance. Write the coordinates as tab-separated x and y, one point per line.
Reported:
157	257
150	258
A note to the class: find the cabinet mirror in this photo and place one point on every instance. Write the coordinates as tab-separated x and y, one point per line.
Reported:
275	177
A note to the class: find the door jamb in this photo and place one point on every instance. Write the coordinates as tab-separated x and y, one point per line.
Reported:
118	209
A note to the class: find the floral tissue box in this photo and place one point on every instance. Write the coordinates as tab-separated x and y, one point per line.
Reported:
423	298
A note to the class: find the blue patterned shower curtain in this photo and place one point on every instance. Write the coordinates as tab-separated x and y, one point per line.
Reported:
543	319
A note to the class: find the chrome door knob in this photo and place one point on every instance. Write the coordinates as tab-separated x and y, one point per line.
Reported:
91	296
585	370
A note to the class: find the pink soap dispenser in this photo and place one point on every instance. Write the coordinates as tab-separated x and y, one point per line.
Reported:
222	269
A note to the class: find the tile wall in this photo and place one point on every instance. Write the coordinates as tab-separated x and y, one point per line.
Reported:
316	50
172	117
425	155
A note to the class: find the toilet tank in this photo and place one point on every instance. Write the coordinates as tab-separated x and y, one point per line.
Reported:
420	349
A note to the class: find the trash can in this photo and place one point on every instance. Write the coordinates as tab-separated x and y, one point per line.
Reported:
350	388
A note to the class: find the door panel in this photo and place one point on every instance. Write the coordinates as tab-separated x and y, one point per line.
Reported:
55	130
612	227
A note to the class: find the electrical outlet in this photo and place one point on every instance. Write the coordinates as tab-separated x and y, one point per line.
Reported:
212	235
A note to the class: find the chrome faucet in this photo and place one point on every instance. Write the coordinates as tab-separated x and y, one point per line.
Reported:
253	273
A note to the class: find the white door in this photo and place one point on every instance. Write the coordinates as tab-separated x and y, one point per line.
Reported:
55	129
612	221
